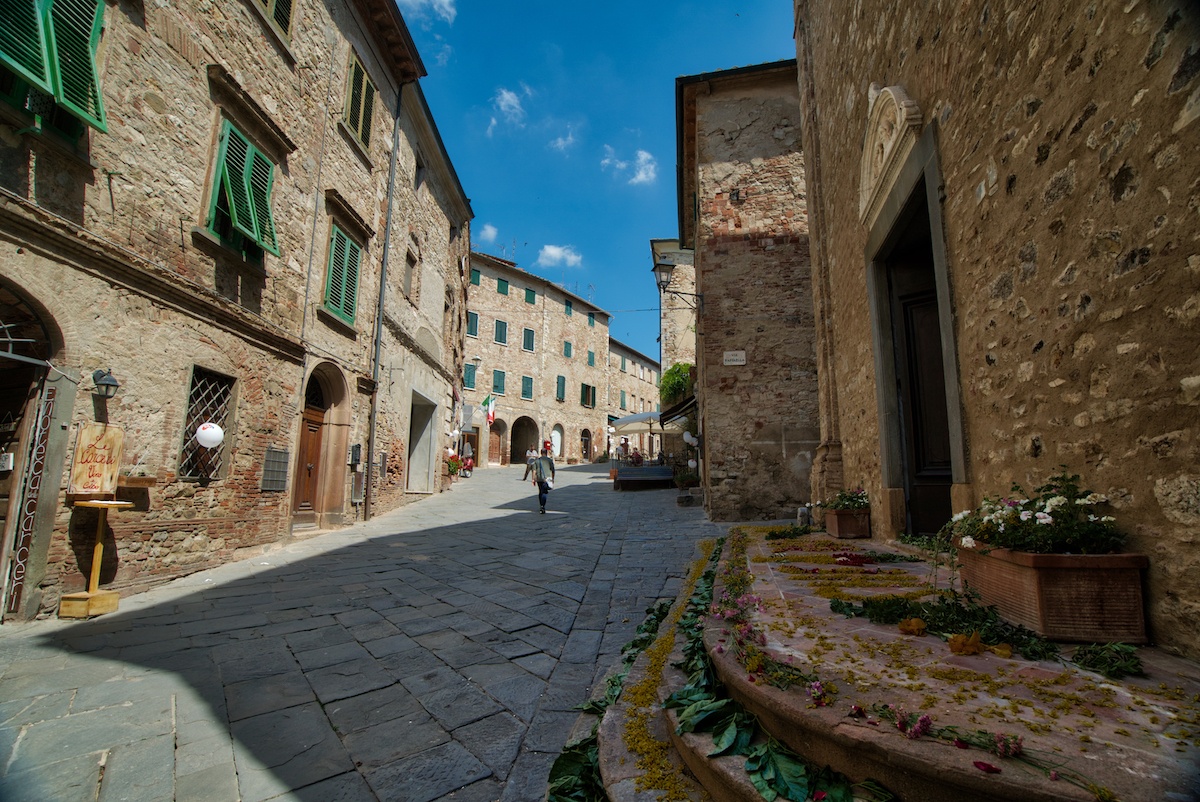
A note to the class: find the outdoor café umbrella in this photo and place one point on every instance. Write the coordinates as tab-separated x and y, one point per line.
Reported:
645	423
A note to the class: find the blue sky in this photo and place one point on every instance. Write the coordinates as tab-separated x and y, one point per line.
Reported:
560	120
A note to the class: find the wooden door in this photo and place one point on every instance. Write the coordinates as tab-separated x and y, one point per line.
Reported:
308	466
494	446
921	381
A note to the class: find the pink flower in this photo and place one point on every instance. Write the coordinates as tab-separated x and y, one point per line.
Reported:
961	744
986	767
1053	775
819	795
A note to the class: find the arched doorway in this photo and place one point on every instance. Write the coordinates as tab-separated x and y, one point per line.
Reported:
319	489
35	411
524	437
585	445
496	433
556	440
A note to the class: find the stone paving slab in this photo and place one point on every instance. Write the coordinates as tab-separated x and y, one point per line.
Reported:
436	652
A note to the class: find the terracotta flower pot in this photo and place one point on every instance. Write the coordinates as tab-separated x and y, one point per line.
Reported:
848	523
1089	598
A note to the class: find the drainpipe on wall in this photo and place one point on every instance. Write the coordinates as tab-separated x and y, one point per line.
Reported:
368	484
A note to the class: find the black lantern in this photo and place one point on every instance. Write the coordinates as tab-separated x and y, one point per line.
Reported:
106	385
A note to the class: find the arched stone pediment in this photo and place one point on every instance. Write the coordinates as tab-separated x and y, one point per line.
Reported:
893	125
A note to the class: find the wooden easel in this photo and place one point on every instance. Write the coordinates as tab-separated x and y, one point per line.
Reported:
94	601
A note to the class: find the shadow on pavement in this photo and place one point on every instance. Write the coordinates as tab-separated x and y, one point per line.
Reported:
406	665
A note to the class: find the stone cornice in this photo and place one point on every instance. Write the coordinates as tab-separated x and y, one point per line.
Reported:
84	251
238	103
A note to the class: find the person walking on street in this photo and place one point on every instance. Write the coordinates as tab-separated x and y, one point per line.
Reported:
530	457
543	477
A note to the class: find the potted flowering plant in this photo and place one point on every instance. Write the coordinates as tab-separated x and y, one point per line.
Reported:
848	514
453	464
1052	562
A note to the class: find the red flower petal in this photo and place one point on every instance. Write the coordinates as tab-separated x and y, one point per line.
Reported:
961	744
986	767
819	795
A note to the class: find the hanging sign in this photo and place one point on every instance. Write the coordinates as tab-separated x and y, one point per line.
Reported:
97	459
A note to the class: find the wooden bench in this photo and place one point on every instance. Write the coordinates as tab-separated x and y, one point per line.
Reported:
645	476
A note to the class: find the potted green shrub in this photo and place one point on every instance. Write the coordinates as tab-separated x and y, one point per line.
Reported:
1052	562
847	514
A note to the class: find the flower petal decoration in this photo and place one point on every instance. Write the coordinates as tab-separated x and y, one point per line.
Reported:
987	767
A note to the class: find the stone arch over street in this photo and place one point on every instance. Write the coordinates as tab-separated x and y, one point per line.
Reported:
524	436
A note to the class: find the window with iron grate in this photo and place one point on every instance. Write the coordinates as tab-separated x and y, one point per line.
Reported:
208	402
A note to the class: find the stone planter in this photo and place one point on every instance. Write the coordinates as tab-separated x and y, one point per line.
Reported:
1087	598
848	523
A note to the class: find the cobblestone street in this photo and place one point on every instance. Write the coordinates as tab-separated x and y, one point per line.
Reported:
434	652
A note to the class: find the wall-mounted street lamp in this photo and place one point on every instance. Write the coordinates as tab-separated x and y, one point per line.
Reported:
662	276
106	385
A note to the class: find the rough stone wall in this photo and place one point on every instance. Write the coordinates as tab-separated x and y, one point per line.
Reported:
679	318
759	420
1066	134
552	326
109	238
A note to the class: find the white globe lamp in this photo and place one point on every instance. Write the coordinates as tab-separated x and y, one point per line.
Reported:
209	435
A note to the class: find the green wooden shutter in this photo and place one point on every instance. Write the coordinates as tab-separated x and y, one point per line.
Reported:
468	377
475	277
335	285
260	179
283	15
473	324
528	340
560	389
23	42
345	259
368	106
74	27
232	166
527	387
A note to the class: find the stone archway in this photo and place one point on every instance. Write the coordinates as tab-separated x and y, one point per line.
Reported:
319	486
524	437
35	409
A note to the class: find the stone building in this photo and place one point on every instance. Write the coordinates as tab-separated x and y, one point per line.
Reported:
632	389
542	353
743	212
1005	263
677	315
244	213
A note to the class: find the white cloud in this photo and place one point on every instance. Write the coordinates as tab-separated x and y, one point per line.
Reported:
646	169
443	55
508	103
563	142
555	255
421	9
491	126
487	233
610	159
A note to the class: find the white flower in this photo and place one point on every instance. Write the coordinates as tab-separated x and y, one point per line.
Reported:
1026	515
968	542
1043	518
959	516
1108	519
1055	502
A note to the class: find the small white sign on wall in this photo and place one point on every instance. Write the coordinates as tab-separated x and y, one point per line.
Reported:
735	357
